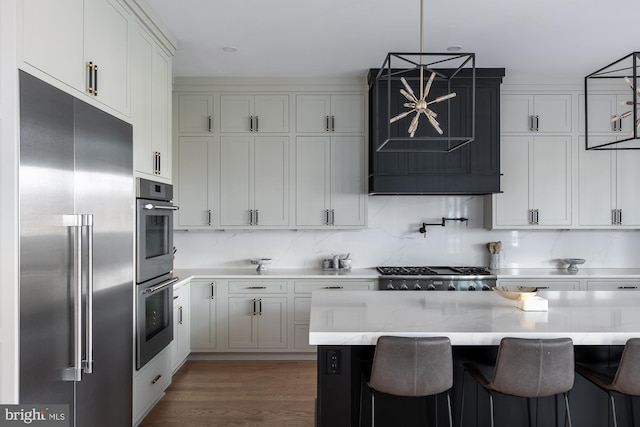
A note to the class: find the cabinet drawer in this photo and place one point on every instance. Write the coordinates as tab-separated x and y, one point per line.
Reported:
150	382
257	286
301	309
308	287
612	285
551	285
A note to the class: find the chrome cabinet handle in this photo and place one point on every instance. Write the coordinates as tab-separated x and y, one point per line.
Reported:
256	217
537	123
257	124
209	124
250	123
257	287
620	216
213	290
531	123
250	216
180	315
326	217
326	121
259	306
337	287
156	379
333	217
95	80
627	287
209	217
333	123
253	301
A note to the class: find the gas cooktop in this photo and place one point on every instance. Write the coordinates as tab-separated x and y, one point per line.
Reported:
434	271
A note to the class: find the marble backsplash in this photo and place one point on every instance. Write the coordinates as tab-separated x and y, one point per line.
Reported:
392	238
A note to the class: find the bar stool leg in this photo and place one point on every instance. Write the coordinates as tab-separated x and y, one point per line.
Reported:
613	410
567	417
373	410
491	408
449	407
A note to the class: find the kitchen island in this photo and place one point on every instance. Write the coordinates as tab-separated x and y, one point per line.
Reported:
346	326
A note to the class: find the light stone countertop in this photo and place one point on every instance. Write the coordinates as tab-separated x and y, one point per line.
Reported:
472	318
563	273
284	273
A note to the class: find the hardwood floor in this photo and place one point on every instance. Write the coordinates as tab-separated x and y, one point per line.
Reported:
238	393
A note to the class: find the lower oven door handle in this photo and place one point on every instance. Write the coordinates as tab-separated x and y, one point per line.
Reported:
161	286
150	207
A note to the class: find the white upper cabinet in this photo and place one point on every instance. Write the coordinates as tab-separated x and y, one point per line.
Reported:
83	44
52	36
150	107
602	109
536	183
536	113
254	113
254	181
195	114
608	187
338	113
330	182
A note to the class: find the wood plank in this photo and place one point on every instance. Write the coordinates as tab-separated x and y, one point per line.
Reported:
238	393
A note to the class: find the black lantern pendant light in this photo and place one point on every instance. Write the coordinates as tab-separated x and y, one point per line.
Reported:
446	100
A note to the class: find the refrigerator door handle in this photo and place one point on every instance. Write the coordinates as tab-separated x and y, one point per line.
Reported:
74	371
87	222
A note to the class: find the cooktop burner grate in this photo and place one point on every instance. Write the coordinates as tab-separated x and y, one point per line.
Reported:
434	271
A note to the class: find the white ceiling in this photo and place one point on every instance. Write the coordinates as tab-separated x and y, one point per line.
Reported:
334	38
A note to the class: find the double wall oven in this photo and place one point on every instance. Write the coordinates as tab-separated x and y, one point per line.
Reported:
154	269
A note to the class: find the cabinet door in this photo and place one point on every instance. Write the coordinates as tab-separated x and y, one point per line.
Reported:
601	108
512	205
161	112
272	323
236	113
242	323
53	39
141	101
628	186
312	180
313	113
236	185
516	110
271	114
271	181
552	180
194	195
195	114
347	199
203	314
106	44
596	185
347	113
553	112
181	346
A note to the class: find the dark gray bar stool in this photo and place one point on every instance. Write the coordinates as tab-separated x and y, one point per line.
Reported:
528	368
624	380
411	367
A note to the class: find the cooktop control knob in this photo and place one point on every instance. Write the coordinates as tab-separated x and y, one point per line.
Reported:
486	287
390	287
417	287
431	287
471	287
451	287
404	287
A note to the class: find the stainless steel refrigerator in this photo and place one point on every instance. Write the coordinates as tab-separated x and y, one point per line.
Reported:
76	256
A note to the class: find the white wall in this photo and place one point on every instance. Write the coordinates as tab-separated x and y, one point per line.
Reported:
8	204
392	238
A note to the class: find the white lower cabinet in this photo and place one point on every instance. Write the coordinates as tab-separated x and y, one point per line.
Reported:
149	384
181	345
302	305
204	312
613	285
257	317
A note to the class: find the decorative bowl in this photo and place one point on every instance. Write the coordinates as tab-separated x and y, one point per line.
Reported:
572	263
261	263
515	292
